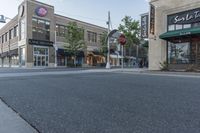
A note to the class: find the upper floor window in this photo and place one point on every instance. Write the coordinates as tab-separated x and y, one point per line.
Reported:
2	38
92	36
11	34
16	31
6	37
61	30
40	29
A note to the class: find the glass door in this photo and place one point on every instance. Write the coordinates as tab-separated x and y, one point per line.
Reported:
41	58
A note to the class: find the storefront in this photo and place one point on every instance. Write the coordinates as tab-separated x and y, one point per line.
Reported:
95	58
67	59
183	38
36	38
174	34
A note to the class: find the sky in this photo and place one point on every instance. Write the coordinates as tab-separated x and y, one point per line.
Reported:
91	11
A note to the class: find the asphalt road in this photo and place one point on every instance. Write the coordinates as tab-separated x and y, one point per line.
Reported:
105	103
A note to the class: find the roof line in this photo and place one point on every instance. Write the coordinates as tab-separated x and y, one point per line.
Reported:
79	20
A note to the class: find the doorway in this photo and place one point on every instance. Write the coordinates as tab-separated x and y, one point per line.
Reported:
41	57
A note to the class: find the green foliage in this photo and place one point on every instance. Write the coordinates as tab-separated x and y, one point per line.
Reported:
164	66
131	30
74	39
104	47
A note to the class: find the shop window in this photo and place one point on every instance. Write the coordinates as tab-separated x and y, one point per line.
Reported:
179	53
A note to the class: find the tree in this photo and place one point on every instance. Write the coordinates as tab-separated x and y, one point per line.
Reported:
103	42
74	40
131	29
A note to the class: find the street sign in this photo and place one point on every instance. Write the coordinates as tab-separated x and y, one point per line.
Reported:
122	39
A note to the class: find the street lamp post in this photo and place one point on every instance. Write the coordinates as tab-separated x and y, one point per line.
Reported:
56	48
108	43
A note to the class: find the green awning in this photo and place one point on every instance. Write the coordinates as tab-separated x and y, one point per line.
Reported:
180	33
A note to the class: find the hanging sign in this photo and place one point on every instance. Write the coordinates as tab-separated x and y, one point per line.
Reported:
144	25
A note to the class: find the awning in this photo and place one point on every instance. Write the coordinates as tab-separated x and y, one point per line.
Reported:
4	54
114	56
94	53
62	52
180	33
13	52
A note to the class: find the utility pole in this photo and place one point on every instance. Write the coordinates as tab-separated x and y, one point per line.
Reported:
108	43
56	48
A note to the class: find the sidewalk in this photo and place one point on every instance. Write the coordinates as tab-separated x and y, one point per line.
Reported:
11	122
145	71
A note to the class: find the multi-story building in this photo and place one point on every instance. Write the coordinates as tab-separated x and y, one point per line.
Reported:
174	33
35	37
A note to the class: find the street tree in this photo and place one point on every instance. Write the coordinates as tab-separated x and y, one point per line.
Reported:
103	43
74	40
131	29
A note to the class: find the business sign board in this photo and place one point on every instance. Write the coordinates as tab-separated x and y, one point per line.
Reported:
40	42
152	19
185	17
144	25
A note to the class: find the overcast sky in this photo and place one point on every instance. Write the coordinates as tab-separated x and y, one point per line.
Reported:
92	11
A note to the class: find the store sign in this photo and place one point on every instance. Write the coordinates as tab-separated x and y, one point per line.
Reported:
185	33
152	19
144	25
40	42
186	17
41	11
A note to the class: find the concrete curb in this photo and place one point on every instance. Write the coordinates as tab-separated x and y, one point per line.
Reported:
11	122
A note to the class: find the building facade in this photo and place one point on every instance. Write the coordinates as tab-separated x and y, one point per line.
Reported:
35	37
174	35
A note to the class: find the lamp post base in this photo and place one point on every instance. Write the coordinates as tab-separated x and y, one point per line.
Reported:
107	65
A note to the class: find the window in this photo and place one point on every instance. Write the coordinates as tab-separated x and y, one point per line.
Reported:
40	29
15	31
2	38
57	30
196	25
92	36
178	53
6	37
11	34
61	30
179	26
171	27
186	26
